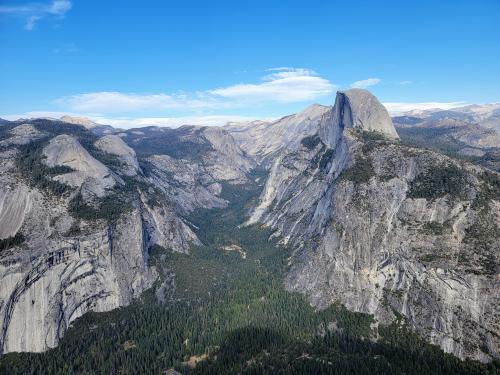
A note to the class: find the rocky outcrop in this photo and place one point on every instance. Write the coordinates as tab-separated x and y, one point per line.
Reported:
21	135
187	184
262	140
69	265
357	109
65	150
476	126
82	121
378	226
227	162
114	145
14	204
52	282
349	202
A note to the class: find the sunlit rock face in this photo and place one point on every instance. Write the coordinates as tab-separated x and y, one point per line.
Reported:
345	201
356	109
114	145
262	140
69	264
65	151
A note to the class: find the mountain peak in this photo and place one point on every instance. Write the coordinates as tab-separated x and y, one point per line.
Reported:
83	121
356	108
313	111
365	111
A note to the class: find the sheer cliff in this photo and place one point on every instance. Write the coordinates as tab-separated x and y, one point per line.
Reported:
389	230
79	213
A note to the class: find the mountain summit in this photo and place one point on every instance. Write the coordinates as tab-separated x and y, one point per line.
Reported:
359	109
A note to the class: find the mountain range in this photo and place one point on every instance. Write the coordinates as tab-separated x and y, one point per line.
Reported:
395	219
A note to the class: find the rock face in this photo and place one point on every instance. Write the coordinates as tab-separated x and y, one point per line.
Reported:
70	264
65	151
358	109
52	282
21	135
83	121
262	140
76	255
186	183
368	234
227	162
114	145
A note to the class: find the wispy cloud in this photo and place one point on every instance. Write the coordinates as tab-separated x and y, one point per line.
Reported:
34	12
69	48
280	85
365	83
403	83
285	85
401	107
113	101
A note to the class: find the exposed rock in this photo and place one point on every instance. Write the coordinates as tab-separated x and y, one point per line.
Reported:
114	145
468	151
83	121
21	135
359	109
341	192
186	183
67	266
226	162
14	204
65	150
262	140
360	239
166	229
47	286
474	125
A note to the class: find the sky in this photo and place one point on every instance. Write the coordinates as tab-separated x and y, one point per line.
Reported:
136	63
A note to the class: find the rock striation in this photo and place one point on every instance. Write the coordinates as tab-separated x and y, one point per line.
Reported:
367	233
263	140
65	151
114	145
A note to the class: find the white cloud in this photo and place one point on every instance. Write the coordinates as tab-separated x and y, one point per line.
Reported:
36	11
400	107
363	84
108	102
281	85
403	83
68	48
284	85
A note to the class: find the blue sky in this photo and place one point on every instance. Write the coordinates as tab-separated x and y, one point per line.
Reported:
165	62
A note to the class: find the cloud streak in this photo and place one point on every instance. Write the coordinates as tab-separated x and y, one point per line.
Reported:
34	12
281	85
365	83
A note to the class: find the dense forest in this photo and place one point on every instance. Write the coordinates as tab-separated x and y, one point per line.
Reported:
223	310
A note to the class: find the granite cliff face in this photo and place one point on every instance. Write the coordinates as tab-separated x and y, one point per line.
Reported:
82	215
374	228
263	140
